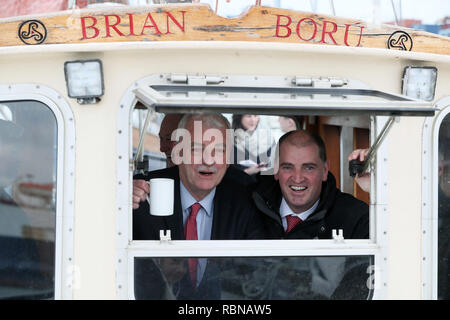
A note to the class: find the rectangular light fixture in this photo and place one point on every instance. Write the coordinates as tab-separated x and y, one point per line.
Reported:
84	79
419	82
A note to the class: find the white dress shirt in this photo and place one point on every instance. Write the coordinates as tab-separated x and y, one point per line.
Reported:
286	211
204	220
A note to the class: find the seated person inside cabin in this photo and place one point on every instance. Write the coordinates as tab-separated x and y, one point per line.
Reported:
252	144
208	205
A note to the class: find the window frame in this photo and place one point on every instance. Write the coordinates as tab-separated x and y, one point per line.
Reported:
65	270
127	249
430	208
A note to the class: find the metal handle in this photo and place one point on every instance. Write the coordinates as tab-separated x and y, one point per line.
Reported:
358	167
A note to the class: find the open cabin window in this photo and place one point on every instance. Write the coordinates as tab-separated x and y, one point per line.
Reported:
346	114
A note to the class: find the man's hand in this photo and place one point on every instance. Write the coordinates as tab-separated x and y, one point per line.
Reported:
252	170
362	180
140	191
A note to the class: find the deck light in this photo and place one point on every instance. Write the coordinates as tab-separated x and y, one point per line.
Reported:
84	79
419	82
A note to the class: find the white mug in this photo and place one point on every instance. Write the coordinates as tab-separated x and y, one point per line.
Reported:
161	196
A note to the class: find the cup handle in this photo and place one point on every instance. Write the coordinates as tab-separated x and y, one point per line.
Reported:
147	195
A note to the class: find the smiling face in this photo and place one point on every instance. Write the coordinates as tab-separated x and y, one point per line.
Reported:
207	164
300	174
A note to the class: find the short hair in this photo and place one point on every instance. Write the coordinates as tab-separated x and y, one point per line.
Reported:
311	137
215	120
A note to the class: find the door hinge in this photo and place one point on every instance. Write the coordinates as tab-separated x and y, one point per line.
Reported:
321	82
195	80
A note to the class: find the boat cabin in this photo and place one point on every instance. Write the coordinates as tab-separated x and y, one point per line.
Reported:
82	97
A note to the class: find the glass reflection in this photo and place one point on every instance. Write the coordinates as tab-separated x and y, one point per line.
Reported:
244	278
444	211
28	137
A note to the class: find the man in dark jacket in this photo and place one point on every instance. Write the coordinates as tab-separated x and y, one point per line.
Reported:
301	200
207	205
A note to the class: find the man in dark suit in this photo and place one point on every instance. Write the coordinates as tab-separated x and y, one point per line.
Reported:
301	201
207	204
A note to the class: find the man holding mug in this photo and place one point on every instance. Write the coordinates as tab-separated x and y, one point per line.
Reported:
207	204
199	178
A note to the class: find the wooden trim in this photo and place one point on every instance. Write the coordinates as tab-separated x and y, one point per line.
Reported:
197	22
354	121
331	136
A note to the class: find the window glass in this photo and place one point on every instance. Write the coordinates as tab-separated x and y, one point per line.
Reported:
154	158
28	154
444	210
256	278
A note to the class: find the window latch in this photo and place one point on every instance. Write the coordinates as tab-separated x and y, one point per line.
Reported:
338	235
164	236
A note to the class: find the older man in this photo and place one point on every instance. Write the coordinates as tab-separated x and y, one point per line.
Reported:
199	178
167	144
207	204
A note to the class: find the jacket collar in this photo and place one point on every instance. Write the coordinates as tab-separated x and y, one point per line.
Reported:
267	197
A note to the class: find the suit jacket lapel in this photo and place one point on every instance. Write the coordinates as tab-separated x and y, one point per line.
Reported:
215	231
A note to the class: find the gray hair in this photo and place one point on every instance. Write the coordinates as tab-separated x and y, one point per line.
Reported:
213	120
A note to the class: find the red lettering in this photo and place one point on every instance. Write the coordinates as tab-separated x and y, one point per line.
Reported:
131	22
149	17
168	15
113	26
324	32
92	26
315	29
277	30
347	27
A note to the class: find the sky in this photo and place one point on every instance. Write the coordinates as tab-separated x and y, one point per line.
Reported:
429	11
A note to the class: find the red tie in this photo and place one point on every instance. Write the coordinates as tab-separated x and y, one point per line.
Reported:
190	231
292	221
